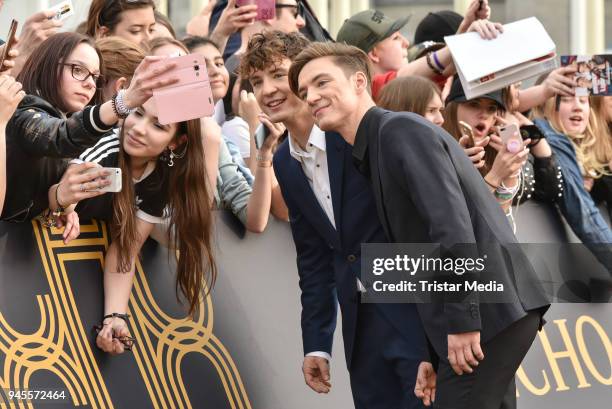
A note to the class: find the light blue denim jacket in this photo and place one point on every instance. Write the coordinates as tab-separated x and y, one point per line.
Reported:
576	204
233	190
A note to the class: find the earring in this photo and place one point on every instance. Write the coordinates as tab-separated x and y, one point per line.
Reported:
172	155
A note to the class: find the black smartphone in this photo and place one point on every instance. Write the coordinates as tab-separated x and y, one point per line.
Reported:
261	133
10	43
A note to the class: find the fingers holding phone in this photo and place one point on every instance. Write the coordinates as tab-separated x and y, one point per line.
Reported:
268	134
86	180
147	78
10	97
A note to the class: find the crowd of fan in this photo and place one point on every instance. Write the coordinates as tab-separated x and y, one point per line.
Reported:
65	99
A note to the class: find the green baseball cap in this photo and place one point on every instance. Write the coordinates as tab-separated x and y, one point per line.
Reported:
365	29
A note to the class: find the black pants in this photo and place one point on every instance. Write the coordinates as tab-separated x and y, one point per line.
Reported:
384	367
492	382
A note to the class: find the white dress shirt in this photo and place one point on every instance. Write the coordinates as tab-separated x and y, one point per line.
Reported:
314	163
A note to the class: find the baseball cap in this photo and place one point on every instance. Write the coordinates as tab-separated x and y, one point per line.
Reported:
366	28
457	94
435	26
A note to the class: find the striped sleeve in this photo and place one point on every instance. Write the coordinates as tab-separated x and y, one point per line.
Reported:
108	145
92	121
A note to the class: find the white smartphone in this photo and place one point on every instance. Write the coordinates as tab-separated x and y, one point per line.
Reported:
261	134
114	177
63	10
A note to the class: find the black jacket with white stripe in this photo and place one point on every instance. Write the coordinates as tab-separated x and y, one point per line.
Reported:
39	139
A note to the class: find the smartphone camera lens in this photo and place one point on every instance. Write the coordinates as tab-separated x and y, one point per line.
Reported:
197	68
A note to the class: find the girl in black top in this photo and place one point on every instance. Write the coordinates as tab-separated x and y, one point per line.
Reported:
163	175
54	122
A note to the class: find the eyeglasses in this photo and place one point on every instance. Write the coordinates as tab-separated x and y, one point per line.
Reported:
81	73
297	8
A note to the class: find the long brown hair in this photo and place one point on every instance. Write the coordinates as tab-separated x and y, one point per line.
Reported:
42	73
188	210
107	13
410	94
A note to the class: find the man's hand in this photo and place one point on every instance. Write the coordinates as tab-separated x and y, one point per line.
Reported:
464	351
316	374
425	387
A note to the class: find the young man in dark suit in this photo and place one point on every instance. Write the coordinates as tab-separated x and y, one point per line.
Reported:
428	191
332	211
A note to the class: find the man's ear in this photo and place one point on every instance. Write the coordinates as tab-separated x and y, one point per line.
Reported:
361	82
103	32
120	84
373	56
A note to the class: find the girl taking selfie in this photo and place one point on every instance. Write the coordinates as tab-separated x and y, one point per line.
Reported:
54	120
163	180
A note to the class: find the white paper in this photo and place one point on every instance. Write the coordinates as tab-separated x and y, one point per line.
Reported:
521	41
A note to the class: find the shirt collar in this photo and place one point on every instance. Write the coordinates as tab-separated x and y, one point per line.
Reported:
315	140
360	146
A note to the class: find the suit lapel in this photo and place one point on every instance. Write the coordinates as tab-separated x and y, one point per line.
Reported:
310	206
335	164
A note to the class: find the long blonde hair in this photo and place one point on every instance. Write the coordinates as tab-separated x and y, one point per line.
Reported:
593	147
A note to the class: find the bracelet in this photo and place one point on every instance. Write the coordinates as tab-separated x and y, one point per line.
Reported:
490	184
59	205
124	317
264	163
438	63
431	64
118	104
260	158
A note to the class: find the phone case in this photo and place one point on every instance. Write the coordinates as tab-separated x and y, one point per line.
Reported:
190	97
261	133
467	130
10	42
266	9
511	137
115	178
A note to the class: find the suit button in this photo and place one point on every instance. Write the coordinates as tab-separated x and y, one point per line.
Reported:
351	258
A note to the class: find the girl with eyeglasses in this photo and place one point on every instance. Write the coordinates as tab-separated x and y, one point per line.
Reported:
53	121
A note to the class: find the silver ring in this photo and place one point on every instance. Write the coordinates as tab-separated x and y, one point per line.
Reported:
82	187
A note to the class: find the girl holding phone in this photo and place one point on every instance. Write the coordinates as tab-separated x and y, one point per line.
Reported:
583	146
164	180
509	174
53	120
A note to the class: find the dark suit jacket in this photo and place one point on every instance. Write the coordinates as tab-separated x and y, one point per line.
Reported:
328	259
428	191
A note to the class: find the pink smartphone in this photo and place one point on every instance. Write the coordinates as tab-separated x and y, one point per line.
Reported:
511	137
266	9
190	97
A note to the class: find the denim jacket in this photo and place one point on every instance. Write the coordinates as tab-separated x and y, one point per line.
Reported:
576	204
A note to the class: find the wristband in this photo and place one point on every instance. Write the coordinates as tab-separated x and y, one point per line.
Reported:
431	64
438	64
118	104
